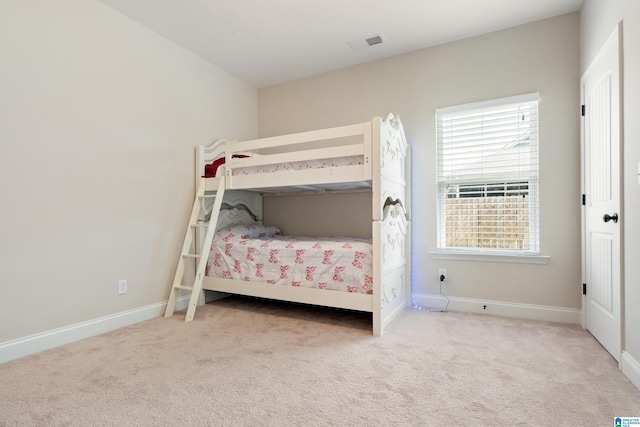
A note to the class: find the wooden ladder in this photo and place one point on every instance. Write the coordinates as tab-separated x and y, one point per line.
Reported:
201	251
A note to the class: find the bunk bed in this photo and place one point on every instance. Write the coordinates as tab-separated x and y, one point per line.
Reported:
373	275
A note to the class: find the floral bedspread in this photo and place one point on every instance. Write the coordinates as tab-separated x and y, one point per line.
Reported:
260	254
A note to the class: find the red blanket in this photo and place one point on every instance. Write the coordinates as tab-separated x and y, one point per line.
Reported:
211	169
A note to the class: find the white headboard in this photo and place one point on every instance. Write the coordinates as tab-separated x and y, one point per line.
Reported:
252	200
207	154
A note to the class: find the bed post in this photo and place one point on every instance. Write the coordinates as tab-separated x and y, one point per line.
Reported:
376	190
391	239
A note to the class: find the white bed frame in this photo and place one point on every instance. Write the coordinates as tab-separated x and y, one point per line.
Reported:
385	171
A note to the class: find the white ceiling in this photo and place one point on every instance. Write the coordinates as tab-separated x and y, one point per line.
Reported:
266	42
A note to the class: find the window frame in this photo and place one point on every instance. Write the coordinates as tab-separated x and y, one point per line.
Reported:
531	254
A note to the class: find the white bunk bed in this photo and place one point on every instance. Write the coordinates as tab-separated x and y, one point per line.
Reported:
371	155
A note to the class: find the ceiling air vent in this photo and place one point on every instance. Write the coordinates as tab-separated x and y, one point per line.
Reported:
366	42
374	40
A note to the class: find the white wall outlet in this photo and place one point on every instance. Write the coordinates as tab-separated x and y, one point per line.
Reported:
122	287
442	272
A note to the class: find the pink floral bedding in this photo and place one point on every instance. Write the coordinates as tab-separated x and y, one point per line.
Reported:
260	254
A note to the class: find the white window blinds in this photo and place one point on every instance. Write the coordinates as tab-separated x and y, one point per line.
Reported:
487	156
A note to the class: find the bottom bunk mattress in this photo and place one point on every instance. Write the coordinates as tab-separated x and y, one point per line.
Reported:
260	253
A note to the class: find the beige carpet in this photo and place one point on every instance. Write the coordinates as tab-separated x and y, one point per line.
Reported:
251	362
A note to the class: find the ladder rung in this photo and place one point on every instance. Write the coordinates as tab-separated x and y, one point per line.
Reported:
208	196
177	286
191	255
201	224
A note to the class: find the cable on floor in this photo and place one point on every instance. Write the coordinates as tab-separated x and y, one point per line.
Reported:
432	310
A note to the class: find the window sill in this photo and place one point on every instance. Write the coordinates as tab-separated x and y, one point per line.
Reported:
487	257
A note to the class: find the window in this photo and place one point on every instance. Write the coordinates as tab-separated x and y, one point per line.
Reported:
487	156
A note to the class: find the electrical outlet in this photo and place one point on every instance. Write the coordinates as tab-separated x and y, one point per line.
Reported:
122	287
442	272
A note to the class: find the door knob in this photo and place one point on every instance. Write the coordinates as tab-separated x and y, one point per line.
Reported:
608	217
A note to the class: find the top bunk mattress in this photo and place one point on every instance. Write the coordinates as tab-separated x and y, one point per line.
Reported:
308	175
217	168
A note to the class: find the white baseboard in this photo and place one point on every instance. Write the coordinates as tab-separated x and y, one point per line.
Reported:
499	308
15	349
631	368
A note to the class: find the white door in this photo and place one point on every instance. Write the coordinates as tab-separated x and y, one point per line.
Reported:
602	179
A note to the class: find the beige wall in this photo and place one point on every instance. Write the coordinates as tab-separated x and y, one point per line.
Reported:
539	57
598	20
304	210
100	117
